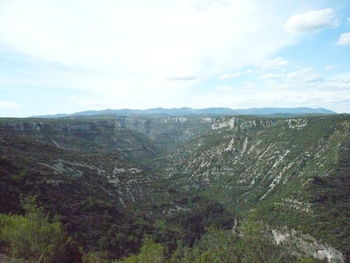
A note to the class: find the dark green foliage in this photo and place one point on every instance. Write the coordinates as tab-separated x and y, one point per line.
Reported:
9	186
150	252
85	206
96	257
332	200
34	237
251	245
270	170
216	246
307	260
187	224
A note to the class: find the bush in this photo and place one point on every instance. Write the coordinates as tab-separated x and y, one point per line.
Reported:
34	237
151	252
251	245
95	257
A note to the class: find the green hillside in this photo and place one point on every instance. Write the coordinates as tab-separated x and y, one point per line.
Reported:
182	182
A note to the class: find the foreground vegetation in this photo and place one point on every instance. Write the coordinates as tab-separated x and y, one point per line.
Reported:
34	237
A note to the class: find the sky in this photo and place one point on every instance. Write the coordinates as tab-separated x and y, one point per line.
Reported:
65	56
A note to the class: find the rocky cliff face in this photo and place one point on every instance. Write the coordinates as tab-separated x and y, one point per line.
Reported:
283	171
167	132
290	173
113	155
253	159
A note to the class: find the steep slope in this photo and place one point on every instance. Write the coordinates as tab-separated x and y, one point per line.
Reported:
287	172
167	132
120	150
88	173
69	187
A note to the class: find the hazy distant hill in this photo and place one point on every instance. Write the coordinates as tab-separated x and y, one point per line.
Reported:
189	111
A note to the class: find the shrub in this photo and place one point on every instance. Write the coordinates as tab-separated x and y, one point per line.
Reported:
95	257
151	252
34	237
251	245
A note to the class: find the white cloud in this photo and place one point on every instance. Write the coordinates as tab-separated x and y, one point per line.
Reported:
9	105
307	80
330	67
274	98
312	21
141	54
271	76
142	46
225	88
303	87
344	39
304	75
274	63
207	4
236	74
182	78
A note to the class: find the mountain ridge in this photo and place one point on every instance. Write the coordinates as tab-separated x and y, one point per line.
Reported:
186	111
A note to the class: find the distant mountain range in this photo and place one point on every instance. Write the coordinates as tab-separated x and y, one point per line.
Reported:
189	111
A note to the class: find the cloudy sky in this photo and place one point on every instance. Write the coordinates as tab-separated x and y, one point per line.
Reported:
72	55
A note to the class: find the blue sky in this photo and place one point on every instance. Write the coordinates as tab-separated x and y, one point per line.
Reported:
73	55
